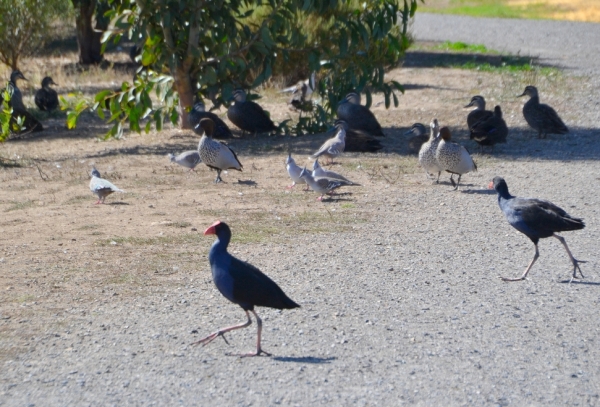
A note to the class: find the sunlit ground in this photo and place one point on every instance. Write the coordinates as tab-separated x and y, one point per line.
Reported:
574	10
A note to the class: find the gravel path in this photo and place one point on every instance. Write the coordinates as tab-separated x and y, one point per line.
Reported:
574	46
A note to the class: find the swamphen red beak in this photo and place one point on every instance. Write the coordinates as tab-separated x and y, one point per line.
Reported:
211	229
490	186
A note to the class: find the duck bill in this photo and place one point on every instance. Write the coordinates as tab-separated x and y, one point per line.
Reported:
211	229
522	94
408	132
469	105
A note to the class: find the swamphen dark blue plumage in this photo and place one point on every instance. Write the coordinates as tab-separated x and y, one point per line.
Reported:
241	283
536	219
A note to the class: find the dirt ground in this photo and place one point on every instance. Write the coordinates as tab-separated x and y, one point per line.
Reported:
397	278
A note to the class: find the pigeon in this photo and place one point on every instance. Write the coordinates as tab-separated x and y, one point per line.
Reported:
294	171
335	145
320	172
321	185
188	159
101	187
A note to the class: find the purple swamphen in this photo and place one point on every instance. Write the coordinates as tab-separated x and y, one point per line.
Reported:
241	283
536	219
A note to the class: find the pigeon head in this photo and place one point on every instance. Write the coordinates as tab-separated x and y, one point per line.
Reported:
171	157
303	173
316	165
289	159
95	172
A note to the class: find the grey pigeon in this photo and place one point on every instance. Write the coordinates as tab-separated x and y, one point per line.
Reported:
427	152
320	172
101	187
335	145
214	154
294	171
188	159
321	185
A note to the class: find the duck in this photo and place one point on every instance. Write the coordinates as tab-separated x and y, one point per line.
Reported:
101	187
427	152
334	146
46	98
322	185
490	131
242	284
420	136
453	158
479	113
541	117
294	171
29	122
248	115
188	159
537	219
359	118
198	112
214	154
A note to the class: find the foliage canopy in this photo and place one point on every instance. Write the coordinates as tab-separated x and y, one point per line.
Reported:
207	48
25	25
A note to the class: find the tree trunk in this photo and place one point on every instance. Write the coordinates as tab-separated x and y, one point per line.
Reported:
90	48
183	85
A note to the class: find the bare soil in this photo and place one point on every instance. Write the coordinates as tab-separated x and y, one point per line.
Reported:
397	278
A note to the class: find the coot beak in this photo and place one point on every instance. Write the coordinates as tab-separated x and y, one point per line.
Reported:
211	229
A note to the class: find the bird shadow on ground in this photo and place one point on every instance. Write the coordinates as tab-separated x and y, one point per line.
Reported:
479	191
579	282
117	203
304	359
247	182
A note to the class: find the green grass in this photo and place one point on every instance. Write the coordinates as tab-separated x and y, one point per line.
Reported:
16	206
464	47
488	8
478	57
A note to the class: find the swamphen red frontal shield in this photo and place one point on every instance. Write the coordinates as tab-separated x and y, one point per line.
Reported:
242	284
536	219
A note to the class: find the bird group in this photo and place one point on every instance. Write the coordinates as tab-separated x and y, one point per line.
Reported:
46	99
248	287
